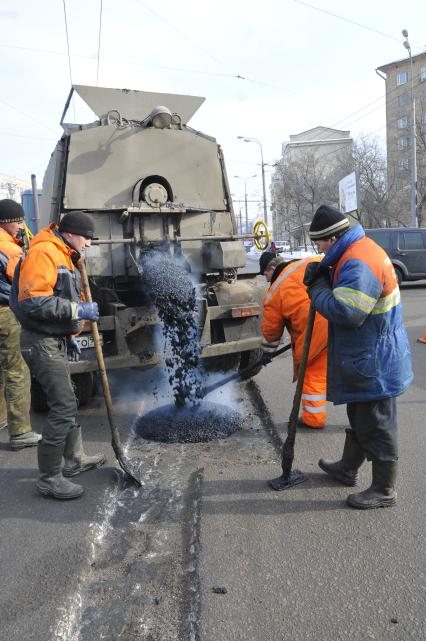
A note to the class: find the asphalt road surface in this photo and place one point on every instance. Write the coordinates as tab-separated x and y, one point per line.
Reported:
204	551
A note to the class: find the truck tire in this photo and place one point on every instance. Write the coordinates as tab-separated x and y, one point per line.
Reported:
83	387
399	276
248	359
38	398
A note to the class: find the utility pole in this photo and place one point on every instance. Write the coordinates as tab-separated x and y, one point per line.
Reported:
265	208
245	181
414	219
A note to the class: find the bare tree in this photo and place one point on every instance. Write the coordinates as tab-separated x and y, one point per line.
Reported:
306	180
302	183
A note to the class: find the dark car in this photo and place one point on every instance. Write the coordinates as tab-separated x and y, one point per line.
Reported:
406	247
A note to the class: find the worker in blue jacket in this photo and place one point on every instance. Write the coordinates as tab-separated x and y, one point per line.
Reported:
369	361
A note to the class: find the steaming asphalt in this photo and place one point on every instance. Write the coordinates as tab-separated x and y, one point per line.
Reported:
126	563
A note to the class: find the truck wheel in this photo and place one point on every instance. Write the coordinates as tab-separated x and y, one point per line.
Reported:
83	387
38	398
398	273
248	359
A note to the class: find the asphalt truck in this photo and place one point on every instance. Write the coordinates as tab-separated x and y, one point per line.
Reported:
151	181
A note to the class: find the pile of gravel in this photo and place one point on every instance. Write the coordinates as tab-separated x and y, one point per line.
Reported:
205	422
172	292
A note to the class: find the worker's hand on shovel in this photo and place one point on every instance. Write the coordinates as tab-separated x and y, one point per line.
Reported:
311	273
73	349
88	311
266	358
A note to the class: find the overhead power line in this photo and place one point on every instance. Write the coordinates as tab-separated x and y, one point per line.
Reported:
68	49
99	43
10	133
357	24
121	62
27	115
194	44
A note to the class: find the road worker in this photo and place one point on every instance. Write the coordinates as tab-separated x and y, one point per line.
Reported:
369	360
15	377
46	297
286	305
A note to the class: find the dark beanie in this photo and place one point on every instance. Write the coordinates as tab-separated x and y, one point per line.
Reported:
327	222
264	261
10	211
79	223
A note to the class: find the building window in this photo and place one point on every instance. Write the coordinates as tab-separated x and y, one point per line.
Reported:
403	100
402	123
423	73
401	78
403	143
403	164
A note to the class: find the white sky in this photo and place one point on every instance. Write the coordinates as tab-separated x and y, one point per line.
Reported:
304	68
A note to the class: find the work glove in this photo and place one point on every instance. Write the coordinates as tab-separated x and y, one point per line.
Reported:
88	311
266	358
311	272
73	349
322	281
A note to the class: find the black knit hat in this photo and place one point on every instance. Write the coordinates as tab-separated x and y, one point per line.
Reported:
264	261
10	211
79	223
327	222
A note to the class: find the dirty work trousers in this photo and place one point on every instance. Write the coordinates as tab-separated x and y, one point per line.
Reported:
47	359
15	396
314	404
375	428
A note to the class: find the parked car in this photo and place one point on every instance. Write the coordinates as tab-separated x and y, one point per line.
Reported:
406	247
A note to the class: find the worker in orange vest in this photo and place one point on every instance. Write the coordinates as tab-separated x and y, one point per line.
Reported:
286	305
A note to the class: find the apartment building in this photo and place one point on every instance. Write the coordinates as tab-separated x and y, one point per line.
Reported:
12	187
403	77
320	146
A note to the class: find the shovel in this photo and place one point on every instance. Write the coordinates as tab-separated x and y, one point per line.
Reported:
290	477
243	373
126	465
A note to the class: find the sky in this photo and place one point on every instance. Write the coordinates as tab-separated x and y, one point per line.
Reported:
267	70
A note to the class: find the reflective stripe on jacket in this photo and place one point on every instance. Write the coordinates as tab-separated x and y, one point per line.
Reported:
10	253
47	287
369	355
286	304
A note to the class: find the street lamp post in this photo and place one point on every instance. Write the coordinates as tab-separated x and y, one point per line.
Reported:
414	219
245	180
265	209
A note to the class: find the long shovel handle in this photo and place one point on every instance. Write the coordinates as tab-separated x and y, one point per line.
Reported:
288	447
242	373
115	436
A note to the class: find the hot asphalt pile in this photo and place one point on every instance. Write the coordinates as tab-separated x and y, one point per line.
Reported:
191	419
190	424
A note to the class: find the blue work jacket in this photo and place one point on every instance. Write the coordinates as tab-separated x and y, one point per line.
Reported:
369	355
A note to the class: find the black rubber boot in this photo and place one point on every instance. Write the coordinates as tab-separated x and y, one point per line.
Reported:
51	481
345	470
381	493
76	460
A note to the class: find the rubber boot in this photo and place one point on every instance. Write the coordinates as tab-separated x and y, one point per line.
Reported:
76	460
27	439
345	470
381	493
51	481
